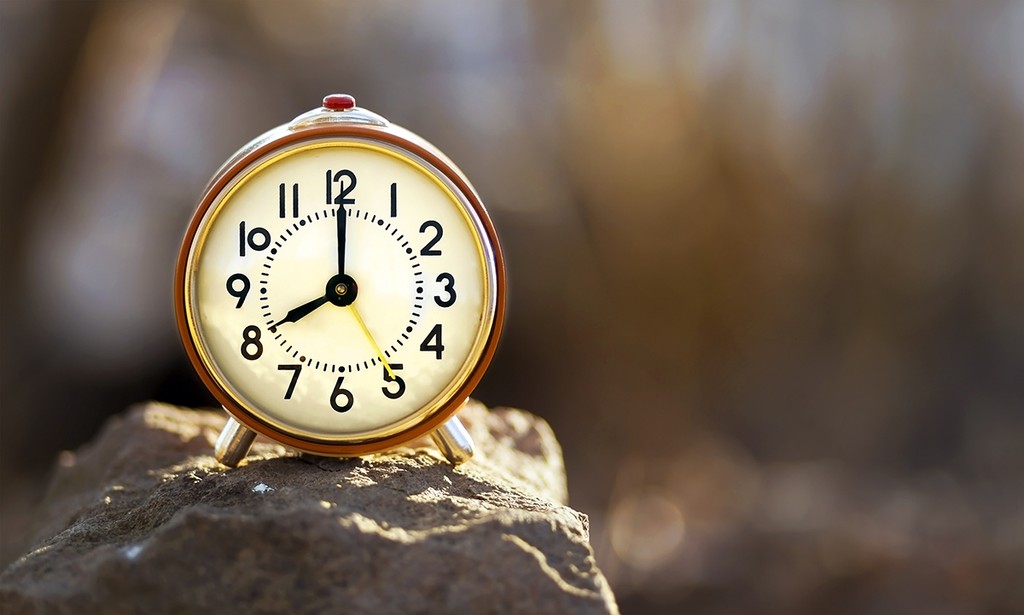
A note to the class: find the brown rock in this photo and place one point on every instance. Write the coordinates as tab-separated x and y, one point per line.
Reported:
145	520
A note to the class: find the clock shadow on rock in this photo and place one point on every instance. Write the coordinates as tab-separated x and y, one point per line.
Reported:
145	519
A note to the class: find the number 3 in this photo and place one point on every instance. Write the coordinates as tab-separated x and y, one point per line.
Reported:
449	287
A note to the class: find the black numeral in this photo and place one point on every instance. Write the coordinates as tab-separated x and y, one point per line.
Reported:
251	339
342	197
394	200
295	201
428	249
449	288
434	346
397	379
239	294
258	238
296	369
345	394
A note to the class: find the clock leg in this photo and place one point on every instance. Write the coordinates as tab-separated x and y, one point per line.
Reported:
234	443
454	441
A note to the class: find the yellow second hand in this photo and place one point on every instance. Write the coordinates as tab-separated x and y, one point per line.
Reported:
376	348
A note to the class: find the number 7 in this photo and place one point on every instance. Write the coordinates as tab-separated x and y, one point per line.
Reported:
297	368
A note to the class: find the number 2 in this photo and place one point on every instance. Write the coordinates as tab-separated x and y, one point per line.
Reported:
428	248
342	197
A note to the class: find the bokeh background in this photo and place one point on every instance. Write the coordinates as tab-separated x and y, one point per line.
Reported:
766	259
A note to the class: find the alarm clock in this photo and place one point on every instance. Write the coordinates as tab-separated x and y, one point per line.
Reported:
340	288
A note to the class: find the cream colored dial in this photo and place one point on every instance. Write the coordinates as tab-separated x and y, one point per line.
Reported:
340	290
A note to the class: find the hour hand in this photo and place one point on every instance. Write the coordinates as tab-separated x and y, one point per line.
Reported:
302	311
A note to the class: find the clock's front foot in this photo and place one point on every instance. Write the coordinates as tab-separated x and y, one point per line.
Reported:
234	443
454	441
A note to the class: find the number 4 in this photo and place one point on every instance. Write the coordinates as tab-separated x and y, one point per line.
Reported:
434	346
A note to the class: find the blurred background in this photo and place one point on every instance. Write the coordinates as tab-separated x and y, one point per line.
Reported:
766	260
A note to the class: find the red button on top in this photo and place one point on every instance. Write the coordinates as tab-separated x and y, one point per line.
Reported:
339	102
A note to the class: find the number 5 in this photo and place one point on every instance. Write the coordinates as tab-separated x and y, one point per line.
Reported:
397	379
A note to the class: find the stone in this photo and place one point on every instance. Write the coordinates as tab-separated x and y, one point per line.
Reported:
145	520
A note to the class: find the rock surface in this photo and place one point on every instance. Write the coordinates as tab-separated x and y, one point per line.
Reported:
145	520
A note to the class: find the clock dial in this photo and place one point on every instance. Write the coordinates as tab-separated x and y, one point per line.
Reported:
340	290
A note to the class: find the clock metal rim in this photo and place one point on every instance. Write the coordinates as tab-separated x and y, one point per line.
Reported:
416	147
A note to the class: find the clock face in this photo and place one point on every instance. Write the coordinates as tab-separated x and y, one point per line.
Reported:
340	290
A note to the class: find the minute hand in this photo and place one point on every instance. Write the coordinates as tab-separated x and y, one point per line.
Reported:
302	310
342	224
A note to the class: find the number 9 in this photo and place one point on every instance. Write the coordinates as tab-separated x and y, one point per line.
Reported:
238	294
